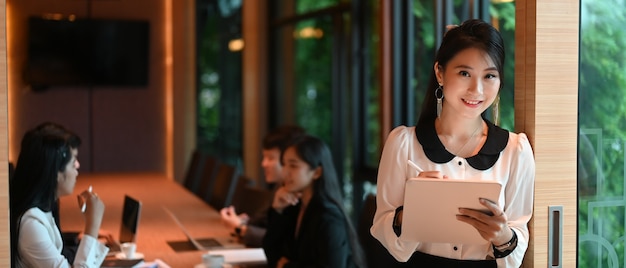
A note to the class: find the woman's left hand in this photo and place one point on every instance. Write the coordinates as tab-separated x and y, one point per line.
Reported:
492	224
281	262
231	219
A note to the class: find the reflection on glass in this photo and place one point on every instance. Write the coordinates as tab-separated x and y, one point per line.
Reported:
602	135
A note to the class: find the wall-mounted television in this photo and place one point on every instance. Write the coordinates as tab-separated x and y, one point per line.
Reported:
87	52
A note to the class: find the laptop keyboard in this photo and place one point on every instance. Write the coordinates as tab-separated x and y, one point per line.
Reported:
209	243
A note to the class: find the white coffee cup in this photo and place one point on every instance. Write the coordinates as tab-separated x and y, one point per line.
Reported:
129	249
212	260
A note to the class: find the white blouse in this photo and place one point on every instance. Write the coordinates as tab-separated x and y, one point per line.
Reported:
40	244
505	157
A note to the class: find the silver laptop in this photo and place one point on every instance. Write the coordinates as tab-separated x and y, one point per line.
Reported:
206	243
128	227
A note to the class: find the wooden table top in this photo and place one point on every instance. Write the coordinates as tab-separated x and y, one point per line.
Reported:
155	227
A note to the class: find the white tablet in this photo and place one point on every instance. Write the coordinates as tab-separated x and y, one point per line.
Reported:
431	206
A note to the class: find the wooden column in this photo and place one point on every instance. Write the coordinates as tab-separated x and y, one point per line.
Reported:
386	66
5	236
183	93
546	105
254	75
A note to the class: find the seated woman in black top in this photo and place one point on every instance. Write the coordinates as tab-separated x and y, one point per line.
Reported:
307	224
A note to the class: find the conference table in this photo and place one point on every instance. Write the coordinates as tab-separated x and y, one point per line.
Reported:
155	227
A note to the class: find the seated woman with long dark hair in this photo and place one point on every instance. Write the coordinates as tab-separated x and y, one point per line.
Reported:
307	223
46	169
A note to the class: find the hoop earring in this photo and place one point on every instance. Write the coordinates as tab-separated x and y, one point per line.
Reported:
439	98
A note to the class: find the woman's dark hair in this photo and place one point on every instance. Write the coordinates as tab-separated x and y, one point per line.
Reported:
45	151
472	33
316	153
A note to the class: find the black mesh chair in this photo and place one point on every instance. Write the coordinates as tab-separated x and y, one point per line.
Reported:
221	189
251	199
209	169
194	171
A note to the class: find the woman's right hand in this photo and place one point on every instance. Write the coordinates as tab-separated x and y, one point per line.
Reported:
284	198
94	212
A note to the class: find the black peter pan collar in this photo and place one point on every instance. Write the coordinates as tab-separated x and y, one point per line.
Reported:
497	139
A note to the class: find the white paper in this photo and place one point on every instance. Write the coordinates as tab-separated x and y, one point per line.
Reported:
242	256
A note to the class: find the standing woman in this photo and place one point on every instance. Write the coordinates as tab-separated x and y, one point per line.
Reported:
453	140
46	169
307	223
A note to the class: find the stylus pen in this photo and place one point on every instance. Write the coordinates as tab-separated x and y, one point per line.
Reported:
84	207
411	163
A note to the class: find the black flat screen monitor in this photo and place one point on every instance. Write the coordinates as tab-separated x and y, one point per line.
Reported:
87	52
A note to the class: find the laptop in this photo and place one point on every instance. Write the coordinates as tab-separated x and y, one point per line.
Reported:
431	206
203	243
130	220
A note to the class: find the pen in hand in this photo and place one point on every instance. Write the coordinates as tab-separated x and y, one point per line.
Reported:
84	206
427	174
412	164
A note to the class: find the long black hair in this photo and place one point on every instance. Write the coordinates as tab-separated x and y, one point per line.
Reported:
472	33
316	154
45	151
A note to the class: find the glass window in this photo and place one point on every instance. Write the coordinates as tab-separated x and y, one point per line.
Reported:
219	85
371	139
602	135
503	18
316	60
312	75
302	6
424	49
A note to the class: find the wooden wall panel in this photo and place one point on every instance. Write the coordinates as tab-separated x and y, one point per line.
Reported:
63	105
108	119
546	104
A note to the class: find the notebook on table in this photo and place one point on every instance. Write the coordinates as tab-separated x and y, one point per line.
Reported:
203	244
431	206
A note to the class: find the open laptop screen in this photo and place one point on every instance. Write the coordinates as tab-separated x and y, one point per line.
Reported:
130	219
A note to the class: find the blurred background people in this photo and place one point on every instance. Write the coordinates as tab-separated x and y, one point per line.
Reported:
308	226
252	229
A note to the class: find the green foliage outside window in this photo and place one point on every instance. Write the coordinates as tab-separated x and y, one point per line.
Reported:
313	67
602	123
313	71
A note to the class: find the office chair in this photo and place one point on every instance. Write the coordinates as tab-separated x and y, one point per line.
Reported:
194	171
209	169
222	187
251	199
